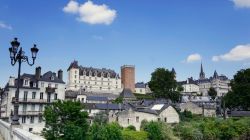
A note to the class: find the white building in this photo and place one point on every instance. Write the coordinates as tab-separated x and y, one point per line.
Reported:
190	87
142	88
219	83
93	79
36	91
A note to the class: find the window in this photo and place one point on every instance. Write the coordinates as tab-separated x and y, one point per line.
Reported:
26	82
24	108
128	121
75	81
165	119
89	110
100	88
75	71
137	119
75	86
40	108
24	119
41	95
42	84
32	107
25	95
140	90
34	84
32	119
40	119
33	95
30	129
75	76
55	96
108	83
95	83
52	78
159	119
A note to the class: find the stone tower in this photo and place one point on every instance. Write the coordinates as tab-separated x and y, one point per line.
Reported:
128	77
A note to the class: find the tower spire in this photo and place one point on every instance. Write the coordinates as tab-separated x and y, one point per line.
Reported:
202	74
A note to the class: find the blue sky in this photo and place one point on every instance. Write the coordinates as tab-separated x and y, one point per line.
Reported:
111	33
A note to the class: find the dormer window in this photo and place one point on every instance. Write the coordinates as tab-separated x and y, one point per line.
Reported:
84	72
102	74
90	73
108	75
34	84
52	78
26	82
96	73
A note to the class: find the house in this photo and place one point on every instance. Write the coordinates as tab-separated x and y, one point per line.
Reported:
36	91
157	112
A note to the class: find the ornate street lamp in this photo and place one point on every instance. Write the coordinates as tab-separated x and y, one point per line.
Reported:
19	56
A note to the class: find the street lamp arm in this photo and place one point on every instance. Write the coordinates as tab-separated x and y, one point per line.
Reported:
26	59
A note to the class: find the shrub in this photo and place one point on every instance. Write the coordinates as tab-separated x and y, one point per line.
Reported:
134	135
131	127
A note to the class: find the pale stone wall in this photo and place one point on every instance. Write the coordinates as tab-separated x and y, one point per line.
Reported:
140	90
93	83
130	117
189	106
10	132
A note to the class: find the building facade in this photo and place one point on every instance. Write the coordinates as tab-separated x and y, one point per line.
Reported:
190	87
93	79
128	77
219	83
36	91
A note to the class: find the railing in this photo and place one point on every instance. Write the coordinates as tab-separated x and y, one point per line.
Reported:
31	113
30	100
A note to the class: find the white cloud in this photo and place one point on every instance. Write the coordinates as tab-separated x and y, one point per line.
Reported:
91	13
242	3
238	53
193	58
71	7
5	26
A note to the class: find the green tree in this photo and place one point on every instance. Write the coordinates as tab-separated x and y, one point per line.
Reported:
110	131
212	93
164	85
64	120
240	90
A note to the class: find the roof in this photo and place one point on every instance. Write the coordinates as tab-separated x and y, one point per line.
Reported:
89	71
127	93
240	113
140	85
47	78
155	109
97	98
100	106
71	94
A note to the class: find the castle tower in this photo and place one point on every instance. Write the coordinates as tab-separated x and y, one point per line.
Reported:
128	77
202	74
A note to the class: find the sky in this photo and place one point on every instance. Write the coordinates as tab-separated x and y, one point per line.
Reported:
145	33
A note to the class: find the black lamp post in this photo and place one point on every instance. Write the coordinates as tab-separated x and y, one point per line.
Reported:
19	56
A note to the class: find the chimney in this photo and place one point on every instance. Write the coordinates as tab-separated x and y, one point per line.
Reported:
38	73
60	74
12	81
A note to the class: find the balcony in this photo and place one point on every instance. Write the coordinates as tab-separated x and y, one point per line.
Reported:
30	100
30	113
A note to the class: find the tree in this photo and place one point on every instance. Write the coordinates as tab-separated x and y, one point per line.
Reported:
240	91
110	131
164	85
212	93
65	120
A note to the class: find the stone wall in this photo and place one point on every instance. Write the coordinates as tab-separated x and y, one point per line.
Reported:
10	132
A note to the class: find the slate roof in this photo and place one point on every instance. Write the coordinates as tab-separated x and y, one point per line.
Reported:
240	113
97	98
127	94
188	81
89	71
71	94
100	106
140	85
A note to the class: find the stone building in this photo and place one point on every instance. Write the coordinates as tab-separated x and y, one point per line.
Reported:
128	77
157	112
36	91
93	79
190	87
219	83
